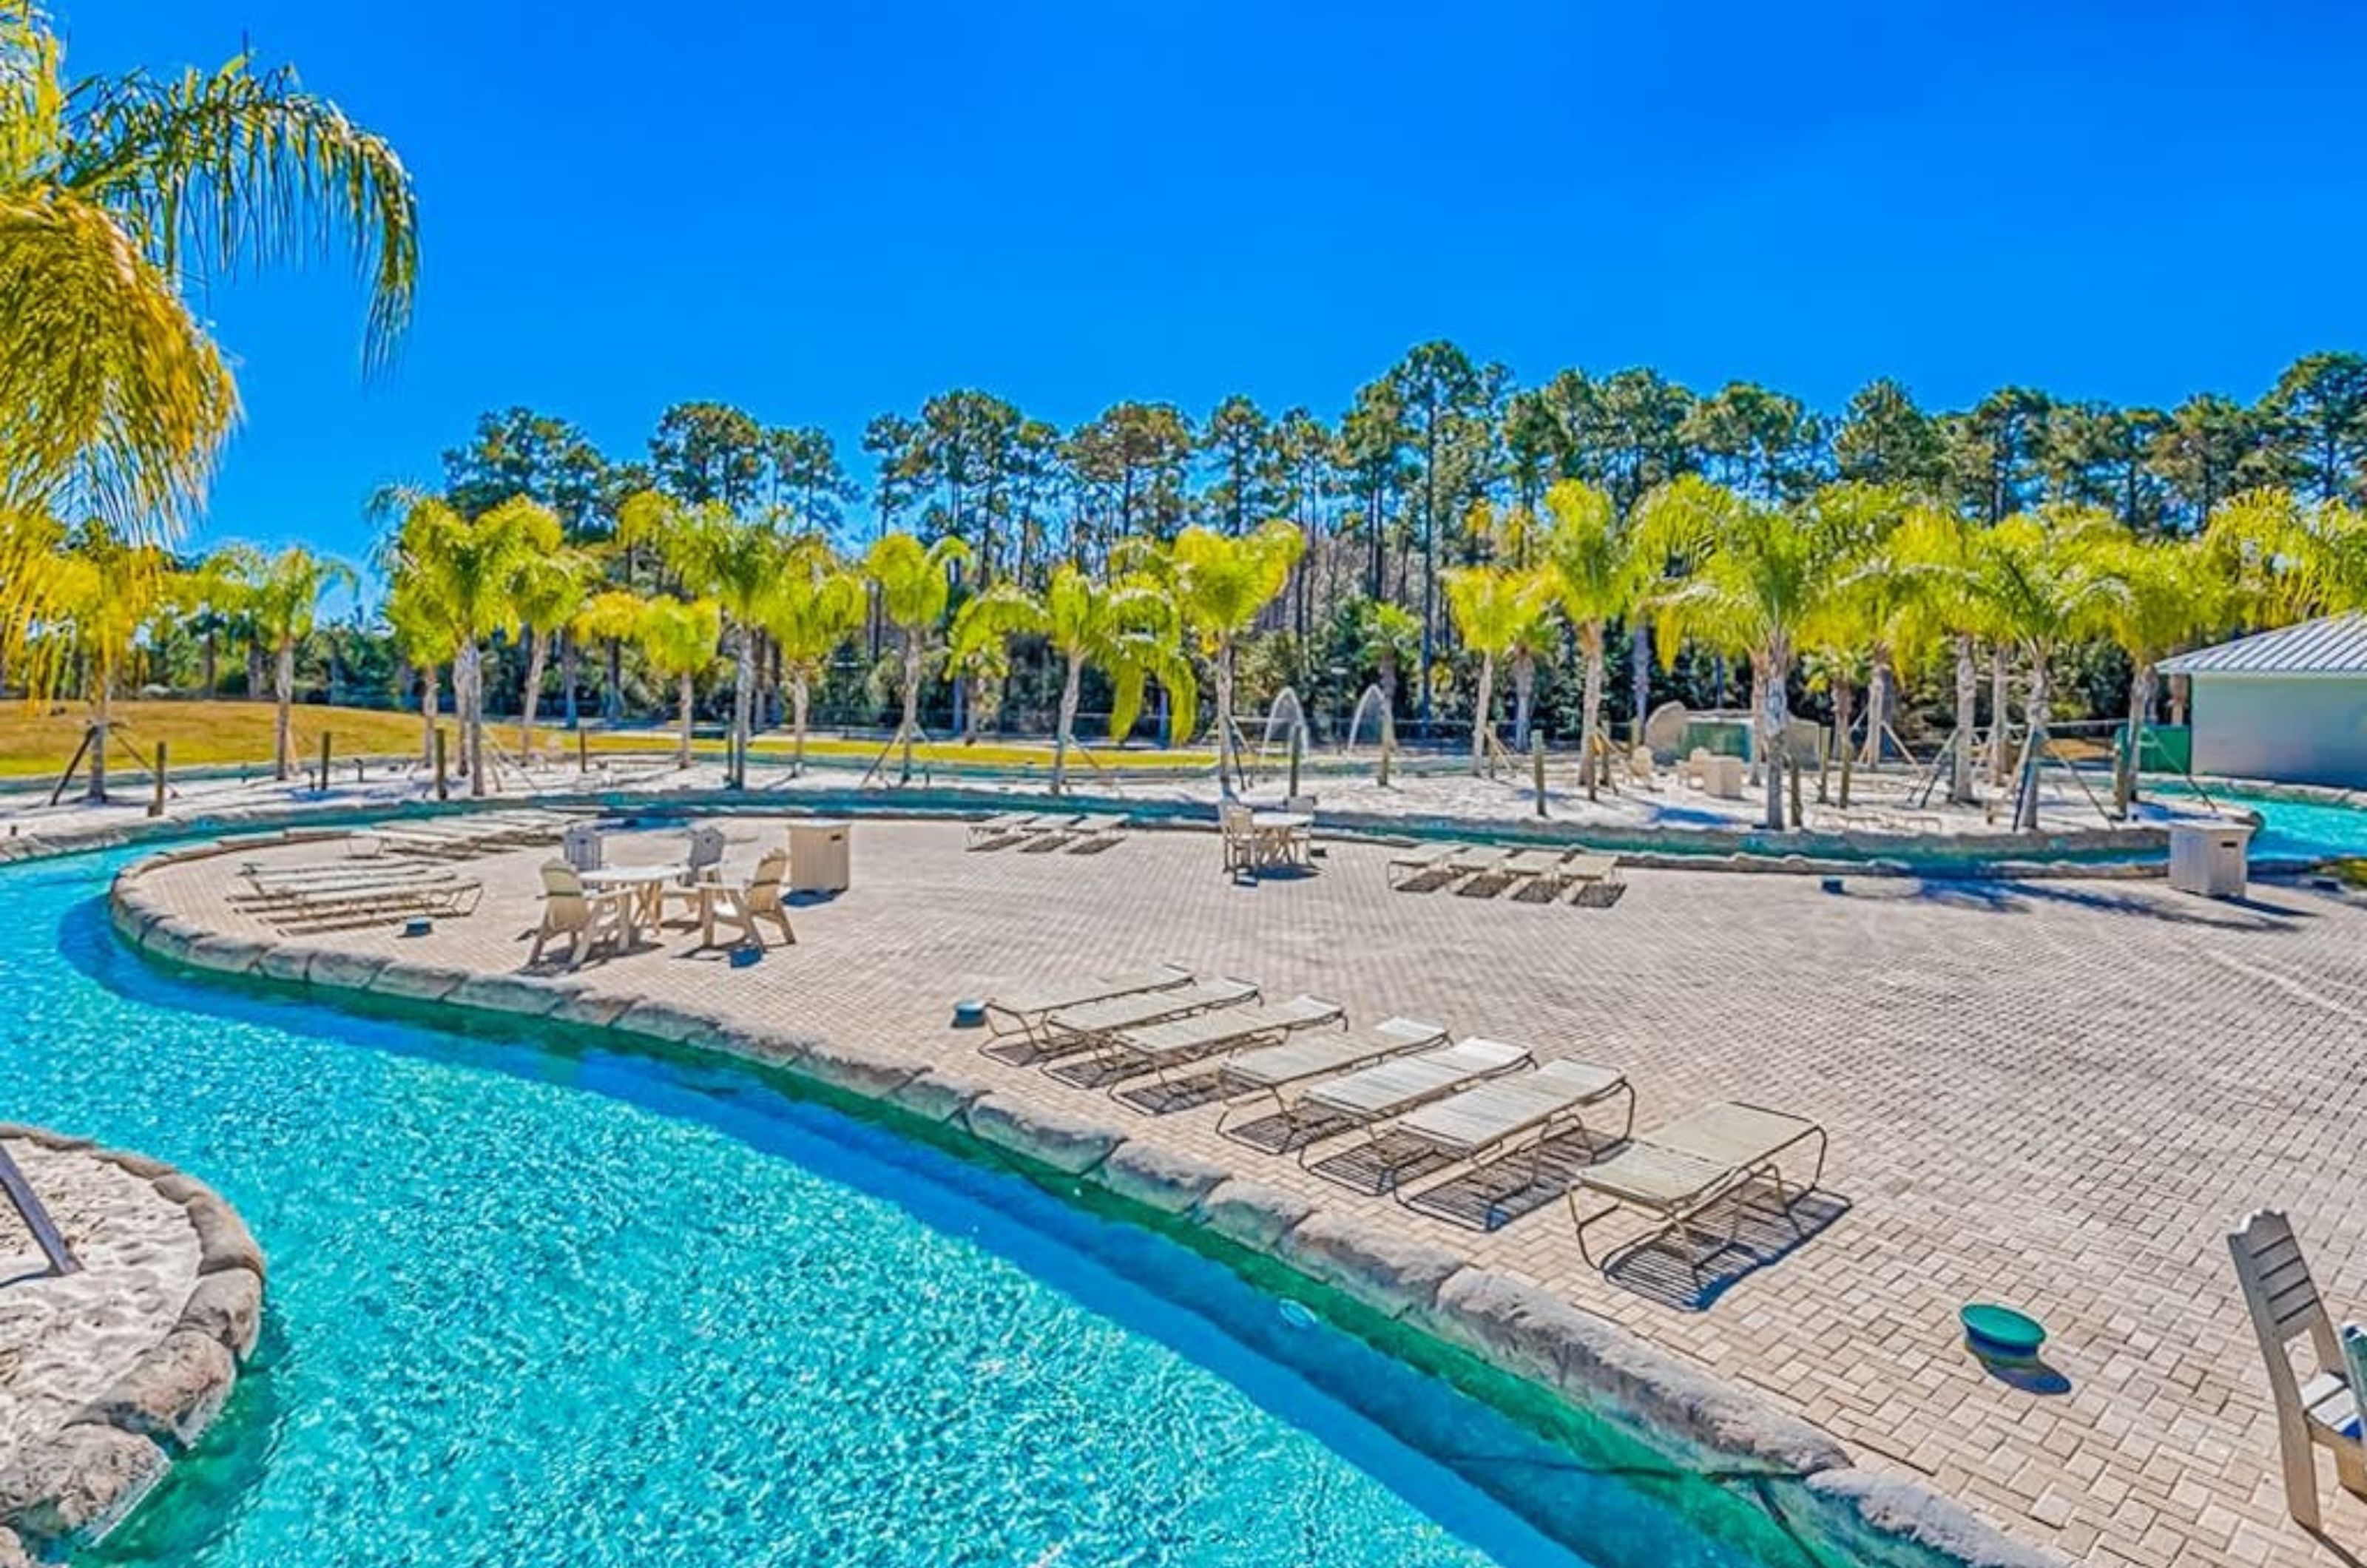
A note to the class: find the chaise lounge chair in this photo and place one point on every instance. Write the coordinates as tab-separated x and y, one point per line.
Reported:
1025	1012
1048	833
994	833
1095	834
1680	1171
1265	1077
1162	1049
1095	1024
1419	861
1482	1125
1373	1095
2322	1410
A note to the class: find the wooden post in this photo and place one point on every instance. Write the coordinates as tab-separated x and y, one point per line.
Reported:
156	800
1537	767
325	762
443	785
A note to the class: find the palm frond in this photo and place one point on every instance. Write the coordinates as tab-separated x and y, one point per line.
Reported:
242	170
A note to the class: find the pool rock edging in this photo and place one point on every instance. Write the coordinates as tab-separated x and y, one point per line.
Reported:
1698	1421
67	1490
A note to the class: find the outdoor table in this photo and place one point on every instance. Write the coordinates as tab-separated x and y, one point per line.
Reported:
645	887
1291	831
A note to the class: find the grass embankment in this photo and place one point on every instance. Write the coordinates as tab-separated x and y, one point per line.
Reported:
36	741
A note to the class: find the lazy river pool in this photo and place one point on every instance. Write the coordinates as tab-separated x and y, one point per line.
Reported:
533	1303
2291	830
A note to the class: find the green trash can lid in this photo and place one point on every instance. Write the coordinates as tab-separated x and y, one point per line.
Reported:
2002	1328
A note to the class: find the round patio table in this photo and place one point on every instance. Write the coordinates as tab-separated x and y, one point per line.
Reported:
645	886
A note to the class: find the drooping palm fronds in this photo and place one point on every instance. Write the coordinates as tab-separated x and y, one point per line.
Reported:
113	193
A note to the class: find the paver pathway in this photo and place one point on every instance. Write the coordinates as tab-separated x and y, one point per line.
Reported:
2058	1095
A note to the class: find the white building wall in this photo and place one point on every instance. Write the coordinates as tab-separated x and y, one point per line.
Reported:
2289	728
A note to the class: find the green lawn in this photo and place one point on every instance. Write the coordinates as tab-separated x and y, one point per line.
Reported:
35	742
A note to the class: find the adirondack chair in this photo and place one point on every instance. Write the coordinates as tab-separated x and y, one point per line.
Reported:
587	919
745	910
2322	1408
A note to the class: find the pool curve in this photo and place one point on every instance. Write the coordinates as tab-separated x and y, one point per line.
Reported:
536	1299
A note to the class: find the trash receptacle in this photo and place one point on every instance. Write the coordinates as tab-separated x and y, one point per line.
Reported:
2208	858
819	855
579	846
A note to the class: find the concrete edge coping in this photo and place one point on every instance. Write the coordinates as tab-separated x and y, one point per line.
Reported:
241	827
1701	1422
68	1490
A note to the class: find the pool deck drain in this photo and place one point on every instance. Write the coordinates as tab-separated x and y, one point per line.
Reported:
2053	1093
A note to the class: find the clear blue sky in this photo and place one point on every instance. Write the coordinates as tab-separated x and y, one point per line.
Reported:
822	212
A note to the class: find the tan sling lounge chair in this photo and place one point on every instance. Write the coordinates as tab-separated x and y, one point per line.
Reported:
1419	861
2321	1410
1095	1024
994	833
1026	1012
1683	1169
1373	1095
1482	1125
1264	1080
1162	1049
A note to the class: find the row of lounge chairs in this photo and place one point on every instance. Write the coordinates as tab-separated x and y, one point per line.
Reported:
1033	832
327	896
463	838
1531	875
1400	1108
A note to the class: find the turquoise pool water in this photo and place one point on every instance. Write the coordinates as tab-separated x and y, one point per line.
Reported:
2296	830
555	1306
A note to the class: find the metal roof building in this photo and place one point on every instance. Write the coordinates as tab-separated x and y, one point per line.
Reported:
2289	706
2334	645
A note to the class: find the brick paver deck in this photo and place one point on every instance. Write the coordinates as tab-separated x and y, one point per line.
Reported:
2058	1095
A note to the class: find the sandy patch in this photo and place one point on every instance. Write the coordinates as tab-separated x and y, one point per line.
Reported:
64	1342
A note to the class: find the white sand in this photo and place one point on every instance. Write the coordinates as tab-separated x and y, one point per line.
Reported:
62	1342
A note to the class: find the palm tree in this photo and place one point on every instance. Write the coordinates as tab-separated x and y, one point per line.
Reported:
612	617
549	594
281	596
2166	594
1221	584
1497	611
915	585
423	633
978	646
814	608
678	638
466	573
736	562
1389	636
1750	580
2044	587
1929	555
113	400
2290	558
1129	629
98	590
1597	576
